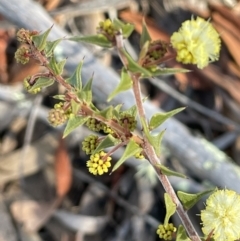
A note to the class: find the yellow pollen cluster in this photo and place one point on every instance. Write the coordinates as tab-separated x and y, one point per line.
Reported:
196	42
98	165
166	231
139	155
106	28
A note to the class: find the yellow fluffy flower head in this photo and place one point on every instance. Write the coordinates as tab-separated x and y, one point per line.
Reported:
196	42
222	216
98	163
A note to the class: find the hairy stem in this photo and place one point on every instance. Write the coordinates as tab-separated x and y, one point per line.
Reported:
150	152
120	130
153	159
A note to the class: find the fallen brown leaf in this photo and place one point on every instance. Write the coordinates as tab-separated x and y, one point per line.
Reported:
226	13
229	33
137	18
63	170
4	38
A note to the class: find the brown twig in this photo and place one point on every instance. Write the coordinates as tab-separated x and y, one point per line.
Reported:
149	150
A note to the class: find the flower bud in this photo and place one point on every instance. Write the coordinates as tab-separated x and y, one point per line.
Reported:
58	115
22	55
166	231
89	144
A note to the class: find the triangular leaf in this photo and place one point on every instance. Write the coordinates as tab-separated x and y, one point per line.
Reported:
134	67
118	24
59	97
145	130
181	234
40	41
145	36
53	65
99	40
126	28
76	79
124	84
109	141
56	67
188	200
166	71
73	123
143	52
75	107
168	172
158	118
61	65
93	107
156	141
116	111
107	113
170	207
50	46
131	111
87	91
41	83
131	149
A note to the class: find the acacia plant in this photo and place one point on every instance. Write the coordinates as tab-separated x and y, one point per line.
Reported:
196	42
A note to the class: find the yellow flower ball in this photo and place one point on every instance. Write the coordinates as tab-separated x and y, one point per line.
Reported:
98	165
222	216
167	231
196	42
